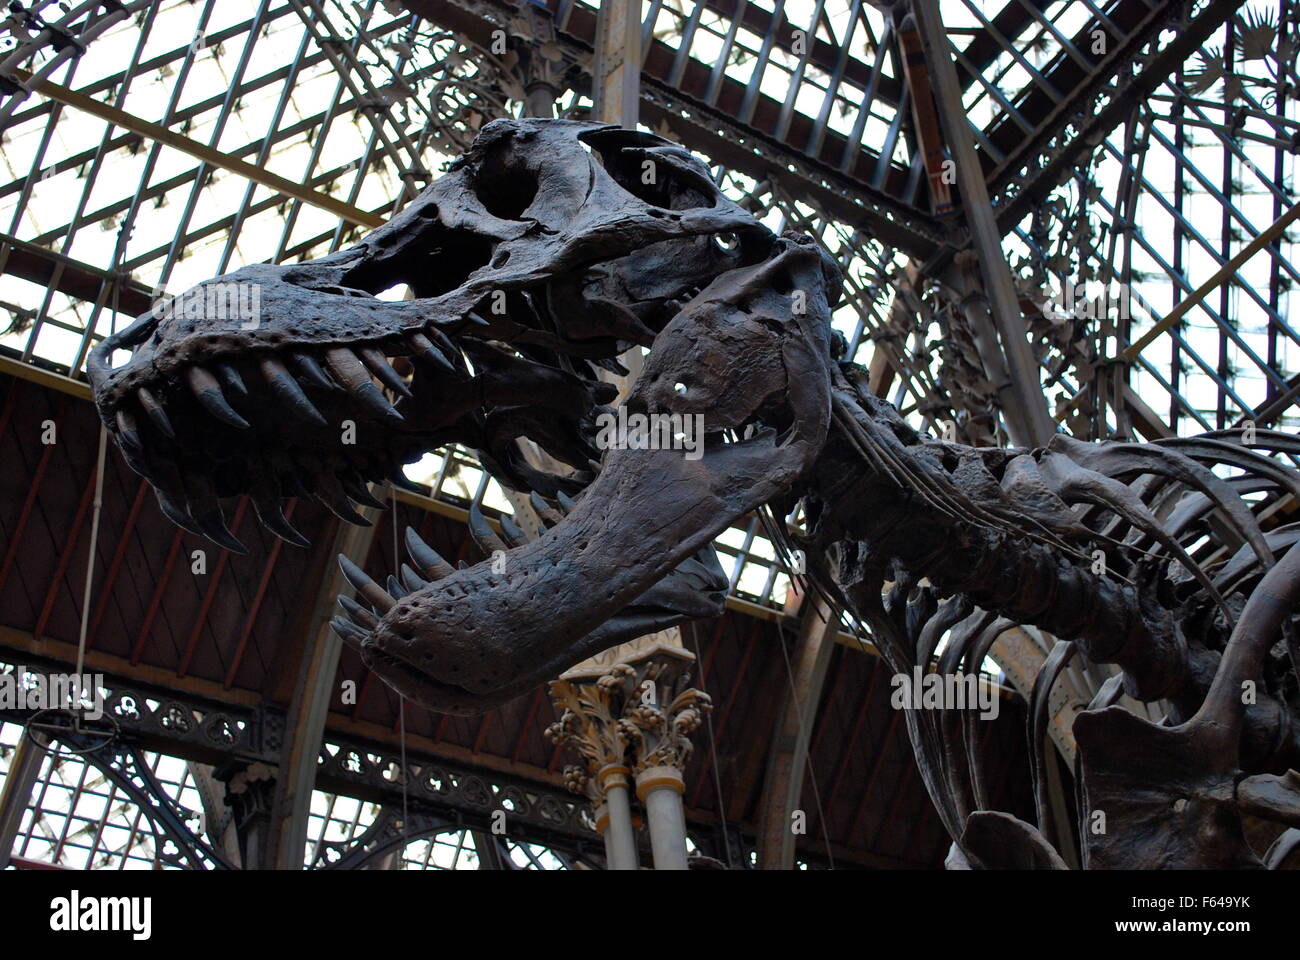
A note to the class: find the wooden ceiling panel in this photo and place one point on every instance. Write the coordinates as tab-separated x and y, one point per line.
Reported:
239	625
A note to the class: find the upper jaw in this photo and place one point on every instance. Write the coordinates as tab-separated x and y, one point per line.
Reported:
215	403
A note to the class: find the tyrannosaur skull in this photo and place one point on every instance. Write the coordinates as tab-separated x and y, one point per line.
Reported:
549	249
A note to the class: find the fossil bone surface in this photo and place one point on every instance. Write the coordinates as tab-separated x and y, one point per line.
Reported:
549	250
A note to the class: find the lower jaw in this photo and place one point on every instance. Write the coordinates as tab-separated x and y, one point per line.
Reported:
560	597
427	692
557	592
421	688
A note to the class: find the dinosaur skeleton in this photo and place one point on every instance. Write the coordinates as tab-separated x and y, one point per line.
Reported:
553	247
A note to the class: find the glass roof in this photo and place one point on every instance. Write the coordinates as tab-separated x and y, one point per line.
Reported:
364	102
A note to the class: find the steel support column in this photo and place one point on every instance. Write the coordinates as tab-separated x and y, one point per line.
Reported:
1027	418
305	723
616	86
24	768
789	758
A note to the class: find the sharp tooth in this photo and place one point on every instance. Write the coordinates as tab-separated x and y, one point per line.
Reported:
511	533
356	490
230	377
157	416
475	320
372	592
210	524
286	388
451	352
206	511
424	347
482	531
331	494
311	371
443	343
566	502
205	508
129	431
215	529
432	566
135	464
545	512
358	614
585	449
395	587
412	580
355	379
178	514
348	632
377	364
207	391
271	517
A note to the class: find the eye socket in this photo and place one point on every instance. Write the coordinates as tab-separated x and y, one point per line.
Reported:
726	242
653	170
679	389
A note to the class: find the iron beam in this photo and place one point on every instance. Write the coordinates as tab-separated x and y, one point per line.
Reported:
1028	420
24	768
309	709
789	757
616	85
206	154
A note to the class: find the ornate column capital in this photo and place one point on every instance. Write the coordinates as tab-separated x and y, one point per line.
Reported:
645	704
589	724
658	730
638	712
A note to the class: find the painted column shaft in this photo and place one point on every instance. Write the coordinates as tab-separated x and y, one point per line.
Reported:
660	789
620	841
